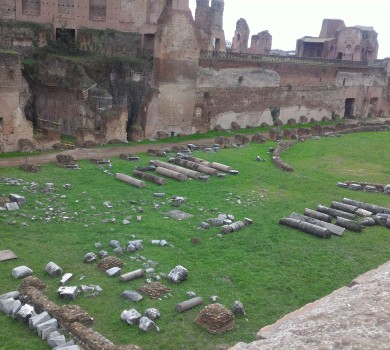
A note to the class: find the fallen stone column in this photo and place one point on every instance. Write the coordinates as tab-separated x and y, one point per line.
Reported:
317	215
190	173
306	227
221	167
199	160
196	166
234	227
188	304
53	269
335	213
132	275
172	174
370	207
350	209
349	224
130	180
334	229
149	177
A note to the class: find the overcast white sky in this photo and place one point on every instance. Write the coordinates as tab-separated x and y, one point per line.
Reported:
289	20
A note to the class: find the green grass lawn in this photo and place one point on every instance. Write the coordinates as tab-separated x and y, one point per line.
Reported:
270	268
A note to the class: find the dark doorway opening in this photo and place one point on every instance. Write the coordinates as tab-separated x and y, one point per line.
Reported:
65	36
349	107
217	44
339	56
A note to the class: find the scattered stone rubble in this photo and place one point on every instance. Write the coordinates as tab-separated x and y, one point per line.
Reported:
365	186
66	161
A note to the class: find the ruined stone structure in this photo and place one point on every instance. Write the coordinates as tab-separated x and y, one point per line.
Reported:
241	36
14	94
336	41
192	83
209	21
261	43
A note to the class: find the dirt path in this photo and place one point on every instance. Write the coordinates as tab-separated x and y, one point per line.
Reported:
85	153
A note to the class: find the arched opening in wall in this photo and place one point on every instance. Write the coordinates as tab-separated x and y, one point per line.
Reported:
148	43
339	56
65	36
349	107
238	37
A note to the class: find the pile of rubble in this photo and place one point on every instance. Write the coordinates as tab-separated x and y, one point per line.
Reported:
365	186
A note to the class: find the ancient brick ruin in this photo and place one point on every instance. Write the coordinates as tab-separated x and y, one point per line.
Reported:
187	80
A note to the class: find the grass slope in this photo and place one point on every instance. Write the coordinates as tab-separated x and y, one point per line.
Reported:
272	269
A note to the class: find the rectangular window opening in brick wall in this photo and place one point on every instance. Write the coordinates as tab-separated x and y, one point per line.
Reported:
31	7
97	10
66	7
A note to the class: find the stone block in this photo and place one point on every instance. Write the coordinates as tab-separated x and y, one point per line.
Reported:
53	269
131	295
132	316
12	206
66	278
16	198
114	271
38	319
7	305
21	272
25	313
45	333
14	295
56	341
147	325
48	324
152	314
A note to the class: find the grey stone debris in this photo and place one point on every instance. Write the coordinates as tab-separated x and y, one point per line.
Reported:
234	172
12	206
214	299
177	201
68	293
204	225
178	274
16	198
7	305
13	295
118	251
238	308
227	222
215	222
98	245
156	242
90	257
152	314
137	244
130	248
45	333
342	184
48	324
25	313
159	195
68	347
132	316
126	222
38	319
17	307
369	188
248	221
221	175
67	186
191	294
114	271
21	272
53	269
147	325
150	270
132	295
66	278
163	243
56	341
231	217
355	187
260	159
386	189
107	204
103	254
222	216
114	243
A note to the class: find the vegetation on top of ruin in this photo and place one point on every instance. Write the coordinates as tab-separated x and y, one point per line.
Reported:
270	268
8	52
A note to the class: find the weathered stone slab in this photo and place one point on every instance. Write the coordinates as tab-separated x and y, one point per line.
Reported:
152	314
68	293
25	313
179	215
132	295
7	305
114	271
21	272
48	324
14	295
7	255
56	341
12	206
45	333
16	198
66	278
